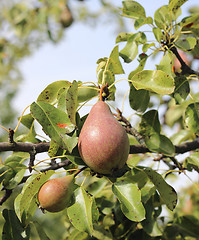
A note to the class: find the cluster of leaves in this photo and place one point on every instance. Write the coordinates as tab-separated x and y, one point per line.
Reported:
127	206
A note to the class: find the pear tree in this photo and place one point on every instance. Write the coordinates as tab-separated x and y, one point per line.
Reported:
109	173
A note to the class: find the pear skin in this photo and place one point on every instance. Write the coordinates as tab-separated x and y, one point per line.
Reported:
55	194
103	142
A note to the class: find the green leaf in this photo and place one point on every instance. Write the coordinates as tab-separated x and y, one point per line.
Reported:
182	89
167	192
142	60
80	213
138	99
186	44
27	120
149	123
12	171
13	229
192	117
130	199
130	51
86	92
154	81
162	17
181	136
150	224
133	9
190	22
50	93
71	101
53	149
166	63
113	63
96	187
160	143
67	101
193	161
26	202
41	233
188	225
56	124
158	34
123	37
146	46
174	5
100	232
142	21
16	179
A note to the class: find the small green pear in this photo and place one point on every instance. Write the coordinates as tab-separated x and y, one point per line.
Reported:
55	194
103	143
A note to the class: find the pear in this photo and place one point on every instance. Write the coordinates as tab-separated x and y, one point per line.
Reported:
103	143
55	194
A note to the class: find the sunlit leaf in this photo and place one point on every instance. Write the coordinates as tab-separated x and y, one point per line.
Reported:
133	9
186	44
166	191
166	63
154	81
123	37
162	17
142	21
174	5
147	46
16	179
113	64
130	51
86	92
50	93
50	119
158	34
130	199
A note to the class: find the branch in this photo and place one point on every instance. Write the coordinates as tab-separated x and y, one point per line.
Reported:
185	68
24	147
134	149
7	194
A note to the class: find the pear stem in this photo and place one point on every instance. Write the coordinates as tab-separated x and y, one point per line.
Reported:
104	88
79	170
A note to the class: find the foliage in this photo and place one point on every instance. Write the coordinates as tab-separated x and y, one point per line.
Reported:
139	202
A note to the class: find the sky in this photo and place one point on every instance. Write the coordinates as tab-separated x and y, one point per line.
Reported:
74	58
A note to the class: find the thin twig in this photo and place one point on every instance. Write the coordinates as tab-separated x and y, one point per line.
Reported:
185	68
7	194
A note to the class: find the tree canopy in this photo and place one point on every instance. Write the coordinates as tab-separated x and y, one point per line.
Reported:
137	201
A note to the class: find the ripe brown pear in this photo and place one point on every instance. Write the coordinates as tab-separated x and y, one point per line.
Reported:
103	142
55	194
